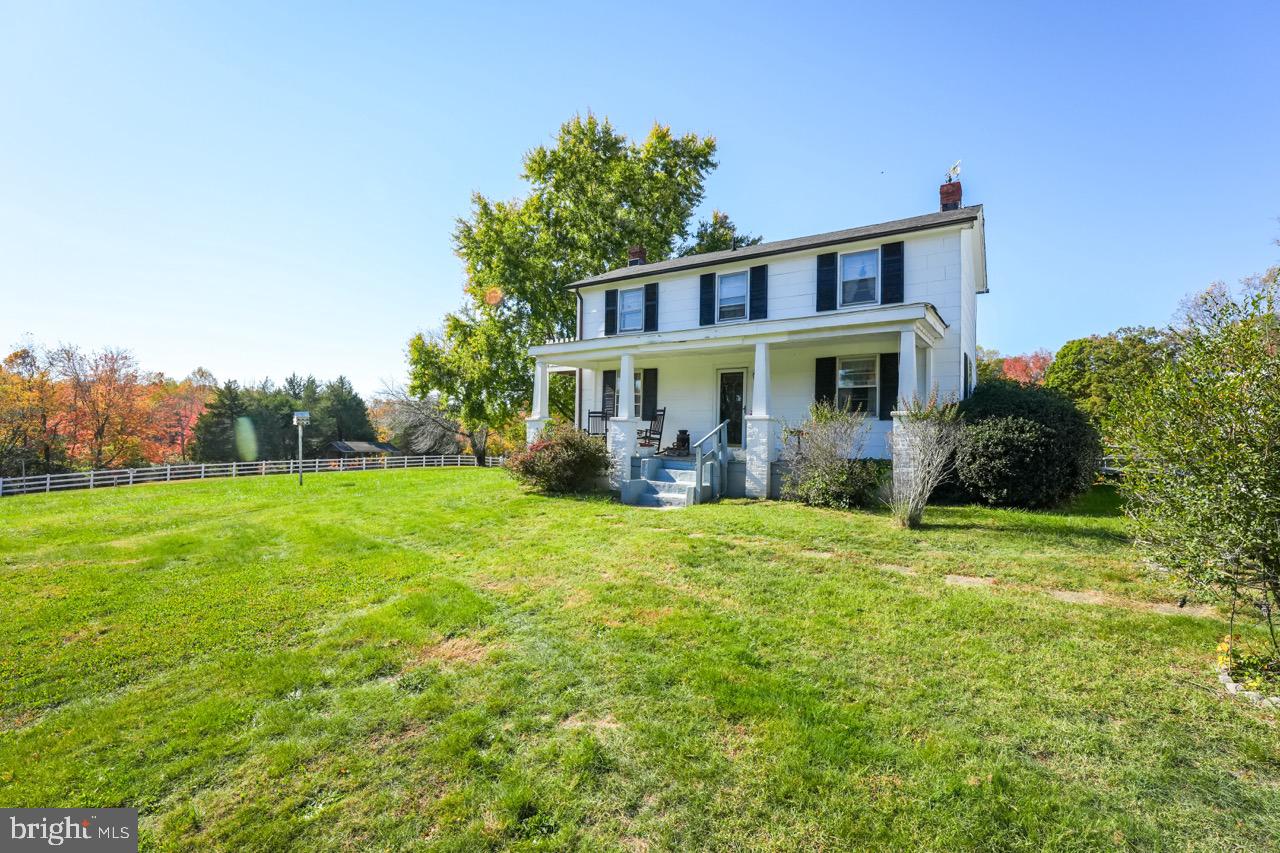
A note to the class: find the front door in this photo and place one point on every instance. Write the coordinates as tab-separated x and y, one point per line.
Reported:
733	401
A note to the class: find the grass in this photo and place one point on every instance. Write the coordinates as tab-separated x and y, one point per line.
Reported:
436	660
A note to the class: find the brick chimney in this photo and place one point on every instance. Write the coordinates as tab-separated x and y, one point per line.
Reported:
949	194
635	256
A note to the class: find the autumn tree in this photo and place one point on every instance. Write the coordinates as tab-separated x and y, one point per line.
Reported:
1027	369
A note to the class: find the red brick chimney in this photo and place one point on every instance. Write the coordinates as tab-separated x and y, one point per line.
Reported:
949	194
635	256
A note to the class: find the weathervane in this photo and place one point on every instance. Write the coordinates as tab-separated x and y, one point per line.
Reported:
954	172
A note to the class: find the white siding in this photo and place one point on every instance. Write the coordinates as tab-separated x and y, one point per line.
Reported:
932	273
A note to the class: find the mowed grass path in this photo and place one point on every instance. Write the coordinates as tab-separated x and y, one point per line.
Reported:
436	660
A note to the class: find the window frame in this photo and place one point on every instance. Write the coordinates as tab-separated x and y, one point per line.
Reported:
875	296
871	411
621	295
746	296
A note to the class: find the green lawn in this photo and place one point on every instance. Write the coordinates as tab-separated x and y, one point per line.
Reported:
436	660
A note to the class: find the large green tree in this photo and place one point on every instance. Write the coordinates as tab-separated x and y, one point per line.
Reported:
593	194
1100	373
717	234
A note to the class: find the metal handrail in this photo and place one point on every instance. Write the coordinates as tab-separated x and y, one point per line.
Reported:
721	434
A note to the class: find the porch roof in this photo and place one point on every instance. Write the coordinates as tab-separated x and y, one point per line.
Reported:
920	316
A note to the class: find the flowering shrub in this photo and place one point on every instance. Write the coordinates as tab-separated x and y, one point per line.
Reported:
563	459
1251	670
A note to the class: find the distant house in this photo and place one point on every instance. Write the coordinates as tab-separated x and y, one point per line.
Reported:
348	449
744	341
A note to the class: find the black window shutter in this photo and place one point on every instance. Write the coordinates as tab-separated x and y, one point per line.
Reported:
824	380
609	399
888	385
651	307
891	283
611	312
759	292
827	281
649	394
707	299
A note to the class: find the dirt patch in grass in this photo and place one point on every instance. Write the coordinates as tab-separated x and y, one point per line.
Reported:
1091	596
92	631
898	570
581	720
1202	611
1071	596
454	650
386	740
969	580
819	555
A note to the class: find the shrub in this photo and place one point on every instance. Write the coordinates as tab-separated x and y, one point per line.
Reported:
1025	446
1200	449
817	455
563	459
923	445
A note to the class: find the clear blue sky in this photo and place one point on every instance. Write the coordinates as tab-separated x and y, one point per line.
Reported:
259	189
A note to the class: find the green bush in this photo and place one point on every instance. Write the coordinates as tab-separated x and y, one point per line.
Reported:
563	459
1025	446
817	458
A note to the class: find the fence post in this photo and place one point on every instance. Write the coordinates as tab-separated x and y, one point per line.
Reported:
168	473
201	470
130	476
233	469
48	478
91	479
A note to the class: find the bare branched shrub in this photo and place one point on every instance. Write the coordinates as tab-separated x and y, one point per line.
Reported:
822	459
421	423
923	445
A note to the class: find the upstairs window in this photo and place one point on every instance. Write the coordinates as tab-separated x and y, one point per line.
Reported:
732	301
860	277
856	384
631	310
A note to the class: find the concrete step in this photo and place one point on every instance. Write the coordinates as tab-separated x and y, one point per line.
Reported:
661	500
672	475
670	487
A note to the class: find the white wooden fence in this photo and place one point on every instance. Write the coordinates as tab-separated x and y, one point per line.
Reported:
204	471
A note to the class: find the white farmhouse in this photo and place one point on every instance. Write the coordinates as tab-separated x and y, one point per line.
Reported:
732	345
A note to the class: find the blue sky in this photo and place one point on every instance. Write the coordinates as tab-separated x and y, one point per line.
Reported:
263	188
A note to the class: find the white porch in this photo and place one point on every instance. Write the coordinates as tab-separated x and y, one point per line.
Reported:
759	376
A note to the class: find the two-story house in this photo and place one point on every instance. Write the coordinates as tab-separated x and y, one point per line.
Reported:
737	343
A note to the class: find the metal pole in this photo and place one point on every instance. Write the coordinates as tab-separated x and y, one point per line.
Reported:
299	454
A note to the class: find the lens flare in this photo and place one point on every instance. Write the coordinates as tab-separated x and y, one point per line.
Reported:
246	440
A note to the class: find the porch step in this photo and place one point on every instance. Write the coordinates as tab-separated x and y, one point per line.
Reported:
666	483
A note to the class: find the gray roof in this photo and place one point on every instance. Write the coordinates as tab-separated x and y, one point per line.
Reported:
363	447
779	247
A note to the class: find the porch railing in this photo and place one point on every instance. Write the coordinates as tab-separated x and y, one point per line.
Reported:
717	451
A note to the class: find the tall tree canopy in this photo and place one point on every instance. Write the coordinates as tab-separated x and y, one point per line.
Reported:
1100	371
717	234
593	194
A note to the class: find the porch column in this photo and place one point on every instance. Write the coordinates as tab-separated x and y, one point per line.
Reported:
760	445
538	414
906	368
622	429
760	384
